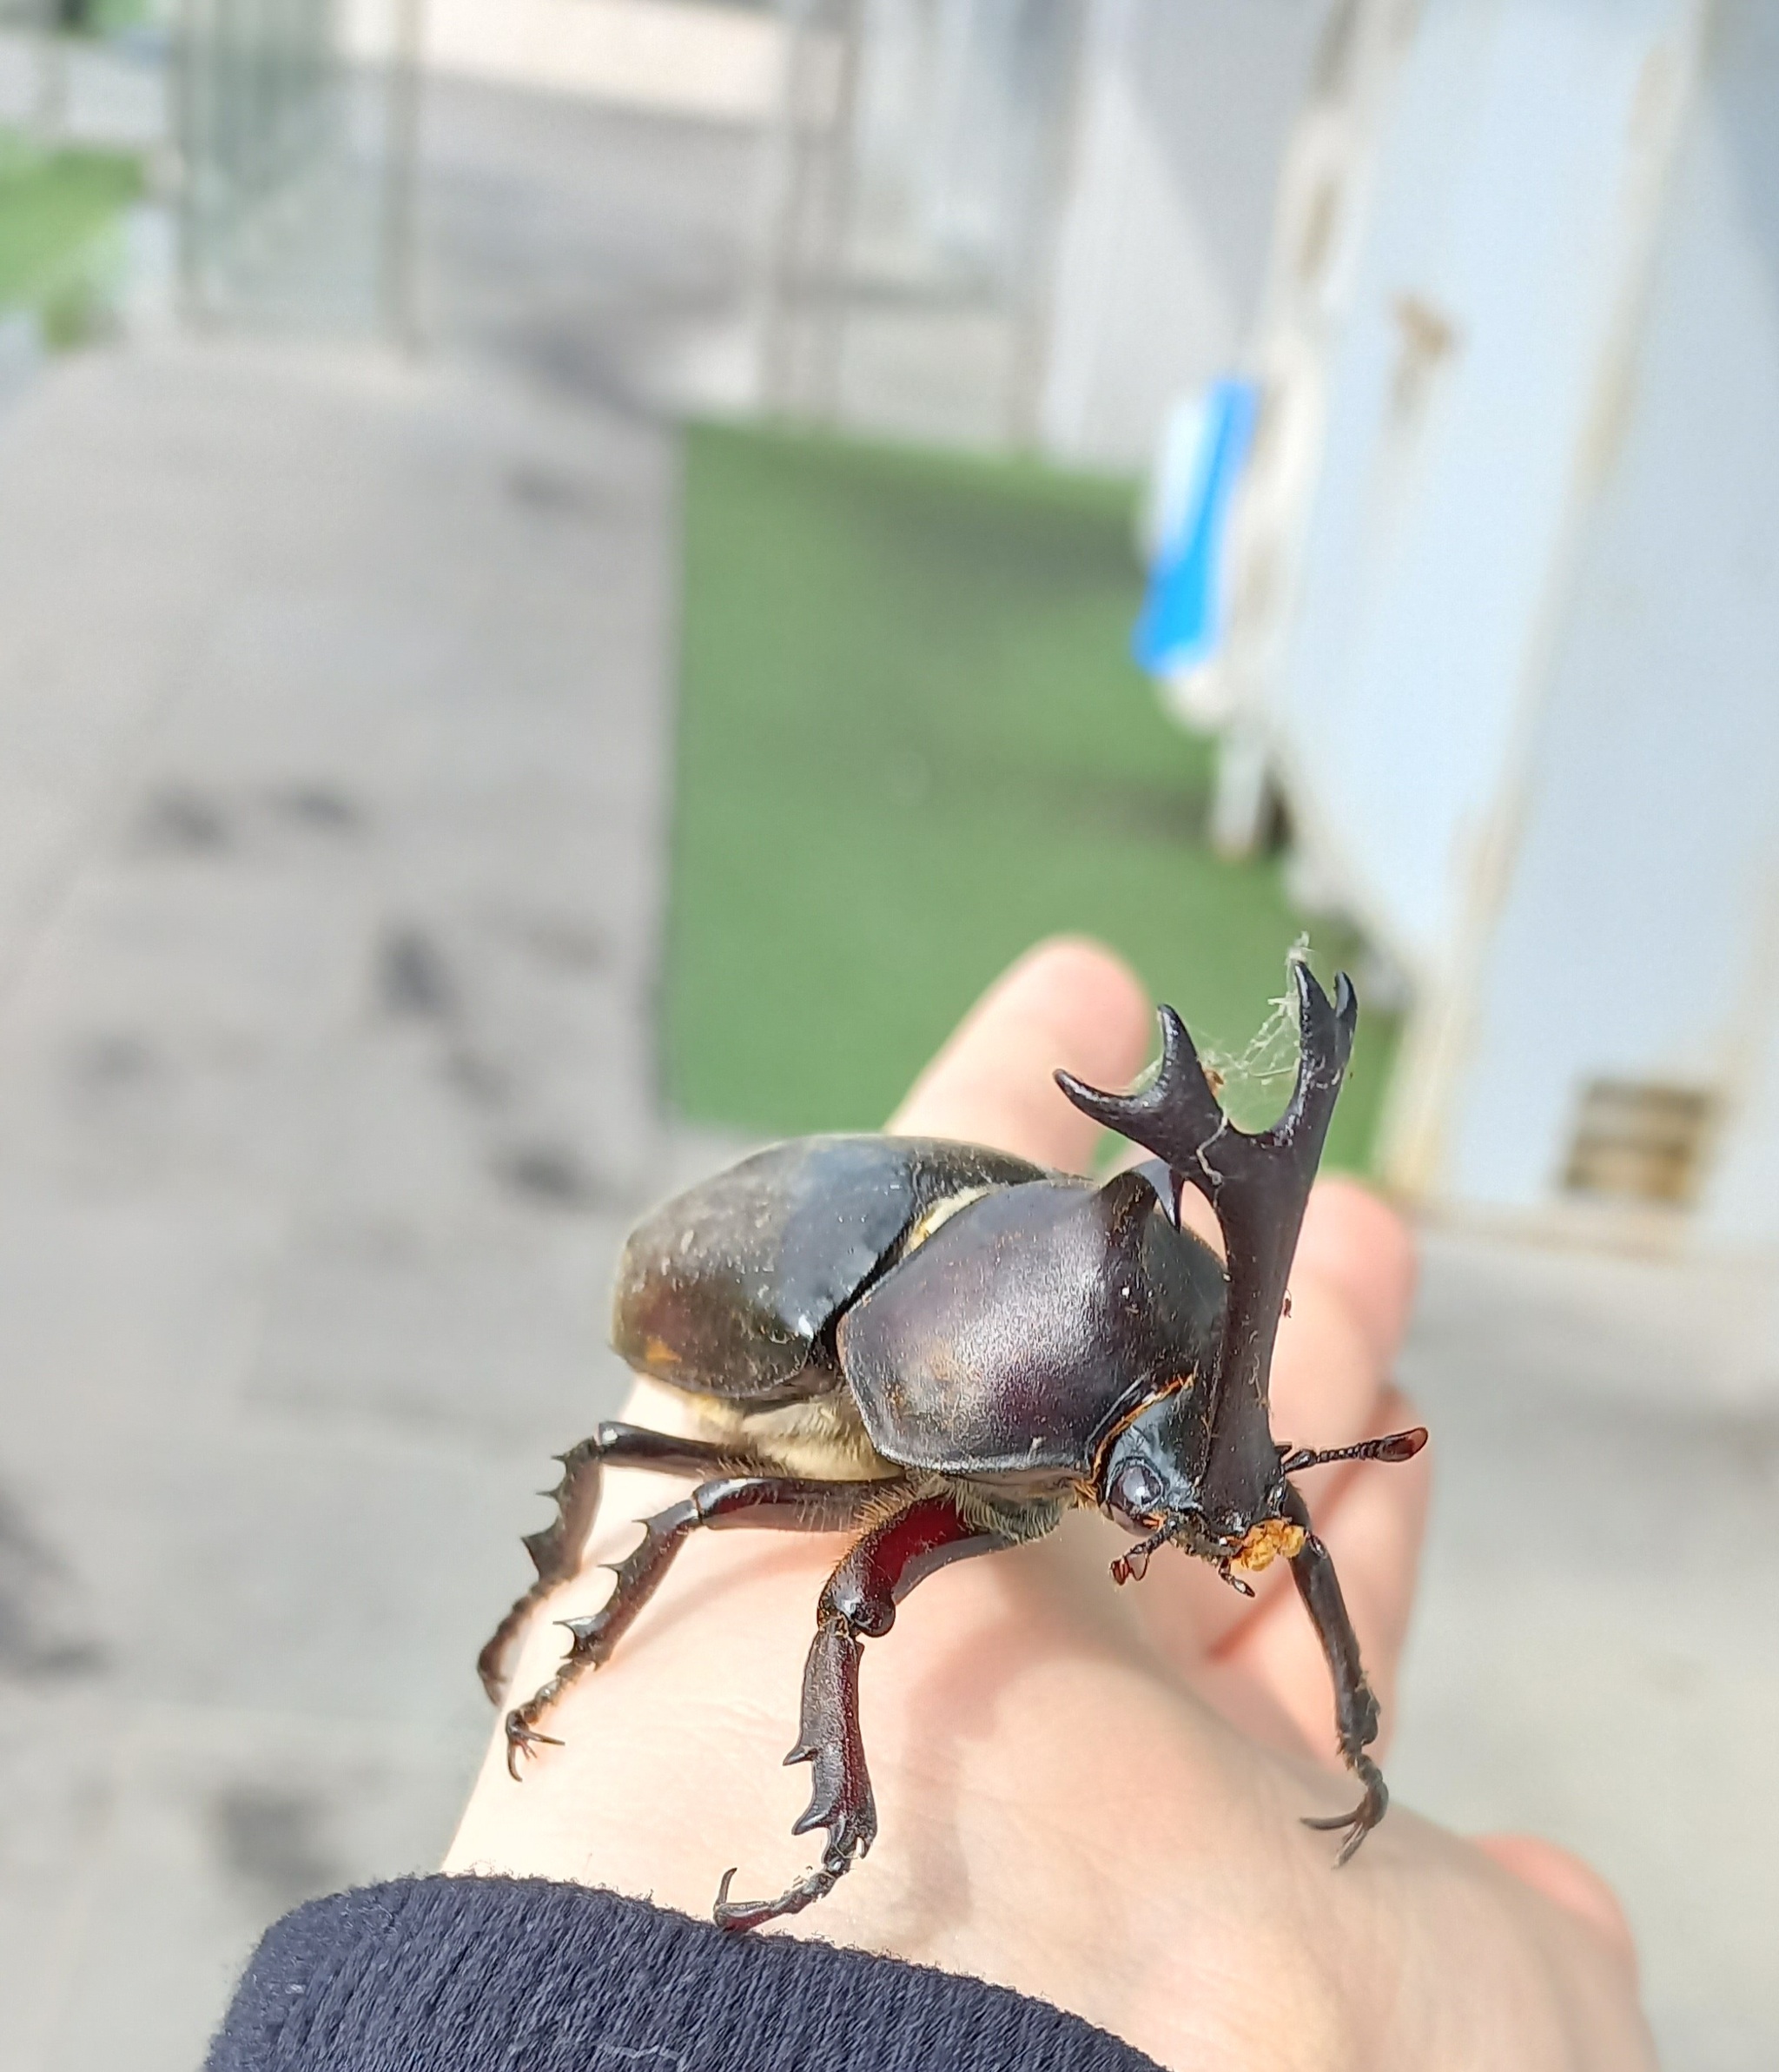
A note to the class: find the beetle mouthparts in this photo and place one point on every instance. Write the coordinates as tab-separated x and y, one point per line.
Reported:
1133	1565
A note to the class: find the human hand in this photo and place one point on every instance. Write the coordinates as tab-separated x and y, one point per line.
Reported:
1091	1796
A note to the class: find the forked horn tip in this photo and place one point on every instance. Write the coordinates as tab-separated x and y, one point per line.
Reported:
1324	1027
1311	999
1345	1000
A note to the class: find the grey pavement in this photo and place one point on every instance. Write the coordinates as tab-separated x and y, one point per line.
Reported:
332	729
334	698
324	1092
1596	1653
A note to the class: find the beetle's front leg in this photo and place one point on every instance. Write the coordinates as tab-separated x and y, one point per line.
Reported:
1355	1707
858	1605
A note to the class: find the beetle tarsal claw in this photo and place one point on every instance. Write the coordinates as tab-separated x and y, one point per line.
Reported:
1357	1824
521	1738
738	1914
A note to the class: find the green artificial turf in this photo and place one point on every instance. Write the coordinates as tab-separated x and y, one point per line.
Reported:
911	743
53	205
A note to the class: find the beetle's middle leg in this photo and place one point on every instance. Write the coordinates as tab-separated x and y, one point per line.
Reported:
1355	1707
785	1503
556	1550
858	1605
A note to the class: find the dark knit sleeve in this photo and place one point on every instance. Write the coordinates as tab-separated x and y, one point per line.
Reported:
469	1974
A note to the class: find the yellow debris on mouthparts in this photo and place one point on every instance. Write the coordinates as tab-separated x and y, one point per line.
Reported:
1266	1542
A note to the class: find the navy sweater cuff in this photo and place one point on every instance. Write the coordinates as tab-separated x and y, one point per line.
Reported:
465	1973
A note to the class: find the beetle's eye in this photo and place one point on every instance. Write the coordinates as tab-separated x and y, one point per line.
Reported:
1135	1492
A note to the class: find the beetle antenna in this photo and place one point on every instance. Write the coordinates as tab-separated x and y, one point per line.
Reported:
1400	1446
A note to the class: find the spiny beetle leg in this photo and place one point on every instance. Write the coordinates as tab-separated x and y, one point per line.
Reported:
1355	1707
638	1575
858	1604
755	1913
841	1799
556	1550
785	1503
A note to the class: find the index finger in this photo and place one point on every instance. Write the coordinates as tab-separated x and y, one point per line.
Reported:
1070	1003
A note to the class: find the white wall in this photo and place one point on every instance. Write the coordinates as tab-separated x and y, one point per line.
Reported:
1523	688
1446	476
673	56
1185	106
1638	937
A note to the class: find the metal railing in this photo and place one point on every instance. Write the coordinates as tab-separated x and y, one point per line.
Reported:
296	166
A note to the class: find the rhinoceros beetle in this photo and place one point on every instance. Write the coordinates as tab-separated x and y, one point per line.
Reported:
942	1349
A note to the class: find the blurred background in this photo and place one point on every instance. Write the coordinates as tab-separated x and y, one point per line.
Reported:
576	576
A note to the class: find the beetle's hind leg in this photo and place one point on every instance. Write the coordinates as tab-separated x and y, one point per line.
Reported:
786	1503
858	1605
556	1550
